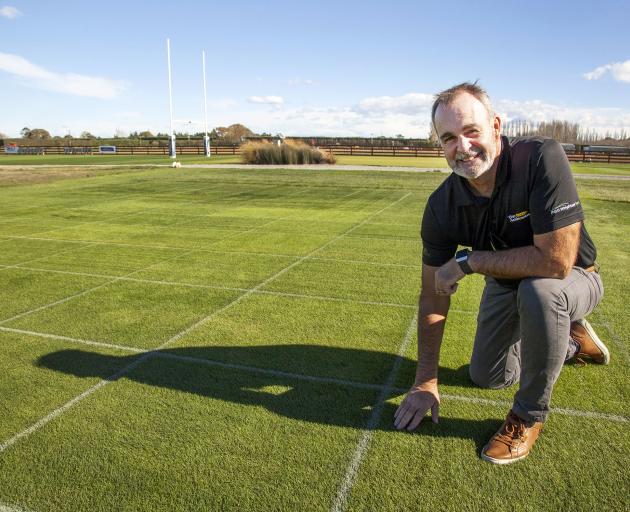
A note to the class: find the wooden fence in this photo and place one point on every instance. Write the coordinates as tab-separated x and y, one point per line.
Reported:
388	151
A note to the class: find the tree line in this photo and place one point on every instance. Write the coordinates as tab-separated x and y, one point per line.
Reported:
562	131
565	131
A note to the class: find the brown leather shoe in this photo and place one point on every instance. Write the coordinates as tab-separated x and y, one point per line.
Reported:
590	346
512	442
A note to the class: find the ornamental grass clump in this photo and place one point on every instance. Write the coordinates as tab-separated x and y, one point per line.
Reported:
289	152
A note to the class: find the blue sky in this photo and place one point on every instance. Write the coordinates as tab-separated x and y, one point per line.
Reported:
308	68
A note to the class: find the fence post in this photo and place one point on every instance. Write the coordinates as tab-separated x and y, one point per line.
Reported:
350	150
608	157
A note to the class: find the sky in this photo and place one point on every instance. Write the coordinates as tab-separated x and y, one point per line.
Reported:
328	68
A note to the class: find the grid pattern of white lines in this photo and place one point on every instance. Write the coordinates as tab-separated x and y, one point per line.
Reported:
148	354
386	390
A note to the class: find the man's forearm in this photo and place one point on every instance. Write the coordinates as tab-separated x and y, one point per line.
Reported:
528	261
431	322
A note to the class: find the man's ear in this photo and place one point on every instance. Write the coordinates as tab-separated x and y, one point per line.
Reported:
497	125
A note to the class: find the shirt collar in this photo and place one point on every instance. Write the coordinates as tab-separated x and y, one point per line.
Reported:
463	194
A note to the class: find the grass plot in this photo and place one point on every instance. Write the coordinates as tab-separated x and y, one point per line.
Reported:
239	340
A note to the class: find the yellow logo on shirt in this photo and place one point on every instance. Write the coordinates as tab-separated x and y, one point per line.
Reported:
515	217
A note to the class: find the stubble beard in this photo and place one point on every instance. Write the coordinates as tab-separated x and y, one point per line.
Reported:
481	164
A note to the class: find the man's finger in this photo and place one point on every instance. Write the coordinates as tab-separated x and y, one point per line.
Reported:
404	419
435	412
415	421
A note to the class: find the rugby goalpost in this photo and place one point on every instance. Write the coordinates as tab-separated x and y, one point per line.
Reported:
172	148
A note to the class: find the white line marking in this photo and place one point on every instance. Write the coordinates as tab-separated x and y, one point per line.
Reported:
601	319
4	507
235	289
106	242
265	254
120	278
301	376
36	426
143	357
115	217
73	340
343	493
16	265
81	293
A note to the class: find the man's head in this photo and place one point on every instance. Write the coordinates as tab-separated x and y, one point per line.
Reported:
468	129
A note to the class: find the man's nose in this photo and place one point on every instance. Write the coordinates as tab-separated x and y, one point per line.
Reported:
463	144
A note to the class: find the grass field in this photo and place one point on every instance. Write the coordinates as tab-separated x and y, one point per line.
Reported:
425	162
200	339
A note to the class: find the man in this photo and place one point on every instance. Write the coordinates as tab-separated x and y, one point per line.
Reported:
515	203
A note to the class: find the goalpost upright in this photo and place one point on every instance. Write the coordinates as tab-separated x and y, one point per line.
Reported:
206	139
172	151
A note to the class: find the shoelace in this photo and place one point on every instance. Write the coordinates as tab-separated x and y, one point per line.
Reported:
513	431
576	359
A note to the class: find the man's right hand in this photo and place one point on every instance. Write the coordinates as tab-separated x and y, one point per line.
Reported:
416	404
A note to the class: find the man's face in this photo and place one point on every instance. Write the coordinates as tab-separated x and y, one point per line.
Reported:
469	136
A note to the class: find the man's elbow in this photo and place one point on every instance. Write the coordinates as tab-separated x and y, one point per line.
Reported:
560	268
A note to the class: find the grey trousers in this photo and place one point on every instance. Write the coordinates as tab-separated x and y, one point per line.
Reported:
523	335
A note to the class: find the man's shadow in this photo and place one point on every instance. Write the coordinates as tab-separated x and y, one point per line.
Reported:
325	385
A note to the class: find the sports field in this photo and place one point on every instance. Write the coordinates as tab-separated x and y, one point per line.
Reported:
196	339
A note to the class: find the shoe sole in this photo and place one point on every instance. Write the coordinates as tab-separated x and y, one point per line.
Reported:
501	462
599	343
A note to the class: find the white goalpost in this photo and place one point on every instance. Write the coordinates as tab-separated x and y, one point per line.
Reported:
172	151
206	139
172	148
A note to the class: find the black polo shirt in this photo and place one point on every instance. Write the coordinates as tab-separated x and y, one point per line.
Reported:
534	193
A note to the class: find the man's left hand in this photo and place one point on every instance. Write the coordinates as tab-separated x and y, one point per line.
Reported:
447	276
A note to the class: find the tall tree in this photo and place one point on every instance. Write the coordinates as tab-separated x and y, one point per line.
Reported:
233	133
38	133
25	131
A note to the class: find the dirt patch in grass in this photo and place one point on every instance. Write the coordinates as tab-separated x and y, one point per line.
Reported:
12	176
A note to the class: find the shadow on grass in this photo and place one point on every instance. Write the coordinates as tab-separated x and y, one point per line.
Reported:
248	375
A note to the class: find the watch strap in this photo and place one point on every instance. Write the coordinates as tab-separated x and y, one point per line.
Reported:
461	257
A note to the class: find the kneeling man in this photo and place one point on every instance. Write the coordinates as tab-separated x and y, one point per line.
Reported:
516	205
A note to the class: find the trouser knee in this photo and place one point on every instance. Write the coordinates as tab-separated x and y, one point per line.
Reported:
484	377
536	295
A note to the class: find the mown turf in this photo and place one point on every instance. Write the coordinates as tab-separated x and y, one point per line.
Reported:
393	161
301	287
111	159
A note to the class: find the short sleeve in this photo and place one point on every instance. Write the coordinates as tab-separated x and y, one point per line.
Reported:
437	248
553	200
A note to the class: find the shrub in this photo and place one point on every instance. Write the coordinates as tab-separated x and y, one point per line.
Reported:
289	152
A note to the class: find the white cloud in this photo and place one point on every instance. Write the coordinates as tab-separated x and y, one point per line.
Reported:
10	12
595	118
267	100
619	70
408	114
69	83
300	81
412	103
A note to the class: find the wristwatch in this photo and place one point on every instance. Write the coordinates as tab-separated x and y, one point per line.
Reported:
461	257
